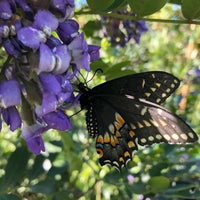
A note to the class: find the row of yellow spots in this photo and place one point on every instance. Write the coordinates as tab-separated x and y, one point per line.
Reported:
144	124
185	137
158	85
171	138
176	137
151	138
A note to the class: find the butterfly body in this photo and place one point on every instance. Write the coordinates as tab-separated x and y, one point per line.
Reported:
125	112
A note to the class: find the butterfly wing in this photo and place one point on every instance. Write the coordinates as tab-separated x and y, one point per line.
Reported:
125	112
121	123
154	86
111	132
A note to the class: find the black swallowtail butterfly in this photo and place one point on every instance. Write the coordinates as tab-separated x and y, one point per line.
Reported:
126	111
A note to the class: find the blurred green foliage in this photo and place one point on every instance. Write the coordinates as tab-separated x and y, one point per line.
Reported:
69	168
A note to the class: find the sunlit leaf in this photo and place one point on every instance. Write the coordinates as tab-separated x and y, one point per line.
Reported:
158	183
146	7
99	5
191	9
116	4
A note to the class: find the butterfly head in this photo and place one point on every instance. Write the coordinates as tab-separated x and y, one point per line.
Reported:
84	96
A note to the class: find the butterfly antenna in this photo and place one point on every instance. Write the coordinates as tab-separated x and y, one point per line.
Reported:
97	70
74	114
84	79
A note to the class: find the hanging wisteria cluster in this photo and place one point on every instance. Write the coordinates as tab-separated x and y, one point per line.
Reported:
44	53
122	31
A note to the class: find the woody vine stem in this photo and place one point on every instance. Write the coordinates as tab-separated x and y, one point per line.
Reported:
120	16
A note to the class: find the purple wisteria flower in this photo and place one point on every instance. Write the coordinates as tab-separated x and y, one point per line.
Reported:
121	31
9	99
45	54
134	29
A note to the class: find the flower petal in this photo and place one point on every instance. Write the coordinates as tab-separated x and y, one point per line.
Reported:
66	7
12	118
5	10
8	98
36	145
58	120
50	83
80	55
25	7
45	21
49	103
67	30
94	52
32	136
53	42
63	58
31	37
47	59
11	49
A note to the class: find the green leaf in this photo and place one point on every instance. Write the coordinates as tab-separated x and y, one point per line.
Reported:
36	168
16	167
68	148
9	197
176	1
45	187
118	70
191	9
158	183
116	4
99	5
157	168
91	26
99	64
146	7
184	192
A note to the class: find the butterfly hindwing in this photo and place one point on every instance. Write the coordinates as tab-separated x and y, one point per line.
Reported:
114	143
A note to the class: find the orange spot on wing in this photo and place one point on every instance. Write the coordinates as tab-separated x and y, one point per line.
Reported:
119	118
131	133
118	134
111	128
121	159
117	125
116	140
112	141
100	152
127	154
131	144
106	138
100	139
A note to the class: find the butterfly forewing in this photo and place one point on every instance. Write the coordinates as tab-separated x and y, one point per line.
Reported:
153	86
152	123
125	112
